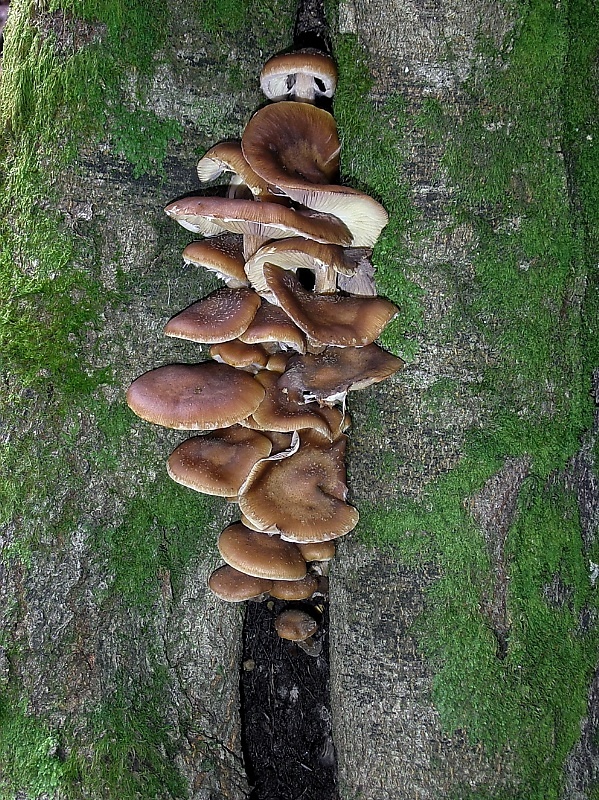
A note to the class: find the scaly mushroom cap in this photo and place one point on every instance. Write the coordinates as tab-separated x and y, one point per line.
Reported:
302	496
324	260
295	625
222	255
235	587
271	324
213	215
295	148
240	355
195	397
302	75
328	376
294	590
261	555
228	157
219	462
329	319
223	315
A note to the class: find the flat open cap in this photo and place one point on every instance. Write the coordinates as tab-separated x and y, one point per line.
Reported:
233	586
195	396
302	496
218	462
223	315
261	555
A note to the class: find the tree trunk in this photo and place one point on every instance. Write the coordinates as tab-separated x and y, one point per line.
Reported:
119	672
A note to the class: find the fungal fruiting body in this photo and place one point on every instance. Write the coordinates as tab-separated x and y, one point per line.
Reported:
291	333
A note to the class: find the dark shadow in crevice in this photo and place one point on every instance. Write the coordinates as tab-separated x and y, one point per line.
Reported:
285	708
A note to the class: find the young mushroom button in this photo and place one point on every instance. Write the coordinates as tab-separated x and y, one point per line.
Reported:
302	76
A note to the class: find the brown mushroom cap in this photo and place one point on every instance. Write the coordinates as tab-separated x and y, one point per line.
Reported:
318	551
240	355
301	496
223	315
219	462
271	324
195	396
222	255
302	75
295	625
294	590
261	555
233	586
295	148
337	320
228	157
292	143
328	376
211	216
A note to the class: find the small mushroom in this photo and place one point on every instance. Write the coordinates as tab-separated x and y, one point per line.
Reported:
302	76
299	627
222	255
251	357
228	157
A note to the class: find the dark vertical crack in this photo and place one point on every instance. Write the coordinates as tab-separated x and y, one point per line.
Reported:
285	710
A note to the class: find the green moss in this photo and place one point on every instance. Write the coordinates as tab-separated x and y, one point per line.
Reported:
371	160
536	253
29	754
135	750
161	533
143	139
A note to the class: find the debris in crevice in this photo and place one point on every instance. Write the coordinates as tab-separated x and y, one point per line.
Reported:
286	719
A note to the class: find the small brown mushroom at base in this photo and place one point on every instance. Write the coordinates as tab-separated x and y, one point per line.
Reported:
299	627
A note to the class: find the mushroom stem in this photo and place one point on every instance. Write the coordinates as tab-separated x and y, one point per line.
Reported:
303	88
325	280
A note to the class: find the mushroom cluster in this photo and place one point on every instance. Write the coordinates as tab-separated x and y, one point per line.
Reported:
291	332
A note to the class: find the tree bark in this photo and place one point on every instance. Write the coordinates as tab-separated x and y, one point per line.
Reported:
128	678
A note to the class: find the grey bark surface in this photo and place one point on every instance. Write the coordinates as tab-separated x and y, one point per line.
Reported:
390	742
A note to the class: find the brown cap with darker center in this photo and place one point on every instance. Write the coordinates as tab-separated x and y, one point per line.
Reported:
195	396
303	75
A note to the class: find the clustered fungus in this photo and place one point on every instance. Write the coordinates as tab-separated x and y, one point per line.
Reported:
291	332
